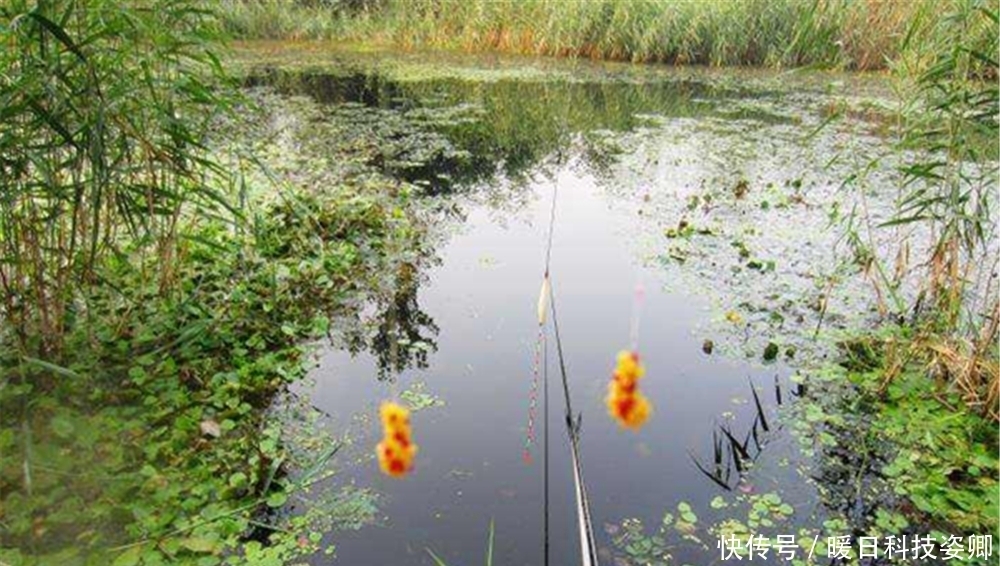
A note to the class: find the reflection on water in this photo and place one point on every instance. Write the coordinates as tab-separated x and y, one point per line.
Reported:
470	467
636	164
503	128
734	451
404	335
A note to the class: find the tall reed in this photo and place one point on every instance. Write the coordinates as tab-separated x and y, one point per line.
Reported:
949	136
861	35
104	109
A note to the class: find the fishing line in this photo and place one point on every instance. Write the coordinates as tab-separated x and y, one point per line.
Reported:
545	415
637	303
588	548
545	294
529	439
540	373
552	224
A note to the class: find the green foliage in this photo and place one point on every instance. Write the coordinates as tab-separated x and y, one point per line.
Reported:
290	19
136	416
638	547
147	323
105	111
766	509
743	515
417	399
907	448
839	33
951	185
946	463
949	162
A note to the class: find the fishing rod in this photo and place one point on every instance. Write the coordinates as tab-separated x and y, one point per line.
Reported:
588	548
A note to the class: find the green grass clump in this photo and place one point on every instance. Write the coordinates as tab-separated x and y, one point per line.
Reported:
150	438
280	19
105	111
891	413
863	35
945	463
152	303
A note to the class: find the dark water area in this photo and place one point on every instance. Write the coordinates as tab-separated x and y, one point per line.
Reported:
470	467
641	207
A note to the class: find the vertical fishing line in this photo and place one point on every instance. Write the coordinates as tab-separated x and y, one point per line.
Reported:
545	416
529	439
542	310
637	303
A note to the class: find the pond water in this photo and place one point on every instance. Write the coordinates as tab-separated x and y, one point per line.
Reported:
715	197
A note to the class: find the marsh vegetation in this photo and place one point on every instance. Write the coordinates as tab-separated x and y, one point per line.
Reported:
217	258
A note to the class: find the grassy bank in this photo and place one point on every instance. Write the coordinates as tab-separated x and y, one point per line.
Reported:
149	440
158	291
898	451
866	35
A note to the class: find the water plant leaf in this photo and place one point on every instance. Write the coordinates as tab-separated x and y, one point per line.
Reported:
771	352
277	499
130	556
62	426
200	544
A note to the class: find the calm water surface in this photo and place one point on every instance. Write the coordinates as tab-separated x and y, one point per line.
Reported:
627	161
470	466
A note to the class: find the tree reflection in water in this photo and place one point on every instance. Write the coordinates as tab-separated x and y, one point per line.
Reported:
400	334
